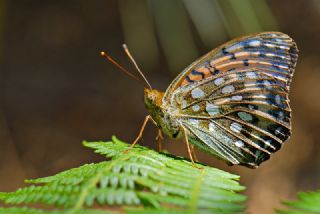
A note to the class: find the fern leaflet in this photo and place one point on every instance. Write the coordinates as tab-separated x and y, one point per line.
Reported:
307	203
137	181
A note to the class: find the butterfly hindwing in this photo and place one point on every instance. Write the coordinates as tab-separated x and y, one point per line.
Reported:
238	94
216	142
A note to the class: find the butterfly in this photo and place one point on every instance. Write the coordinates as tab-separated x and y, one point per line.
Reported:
232	102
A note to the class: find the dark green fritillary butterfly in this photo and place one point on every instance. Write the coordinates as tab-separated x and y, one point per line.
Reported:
232	102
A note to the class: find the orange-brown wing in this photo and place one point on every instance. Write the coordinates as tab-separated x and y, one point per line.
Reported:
275	51
234	100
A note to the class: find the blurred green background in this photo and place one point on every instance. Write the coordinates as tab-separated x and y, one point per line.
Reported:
55	89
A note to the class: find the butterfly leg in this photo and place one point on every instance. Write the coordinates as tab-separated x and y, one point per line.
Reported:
141	131
193	152
188	147
159	140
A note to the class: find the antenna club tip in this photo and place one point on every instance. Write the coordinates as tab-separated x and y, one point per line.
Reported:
102	53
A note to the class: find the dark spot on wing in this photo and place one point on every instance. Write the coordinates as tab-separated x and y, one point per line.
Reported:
262	54
246	62
213	70
188	79
275	65
261	157
245	45
280	115
279	131
259	83
194	72
225	52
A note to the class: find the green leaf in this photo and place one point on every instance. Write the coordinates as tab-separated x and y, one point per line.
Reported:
307	203
135	180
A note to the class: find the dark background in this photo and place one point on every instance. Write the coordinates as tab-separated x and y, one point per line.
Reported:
55	89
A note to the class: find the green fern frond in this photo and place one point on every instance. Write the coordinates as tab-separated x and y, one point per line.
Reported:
307	203
28	210
138	180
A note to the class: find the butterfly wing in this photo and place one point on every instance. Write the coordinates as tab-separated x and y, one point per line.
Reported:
234	100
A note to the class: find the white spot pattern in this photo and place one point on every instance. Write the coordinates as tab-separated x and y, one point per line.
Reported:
227	89
267	84
197	93
218	81
283	47
237	97
196	108
267	142
194	122
278	99
184	103
278	131
251	75
212	109
280	115
235	127
270	55
254	43
212	127
245	116
239	143
284	66
269	45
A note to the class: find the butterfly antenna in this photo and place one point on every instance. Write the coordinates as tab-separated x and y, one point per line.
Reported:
108	57
135	64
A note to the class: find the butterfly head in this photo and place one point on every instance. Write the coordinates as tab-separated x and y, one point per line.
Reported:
153	102
152	98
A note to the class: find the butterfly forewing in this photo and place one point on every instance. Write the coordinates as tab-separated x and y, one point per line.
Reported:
234	100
